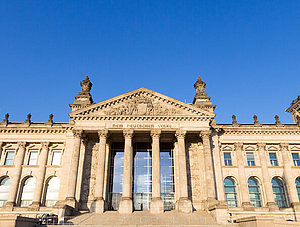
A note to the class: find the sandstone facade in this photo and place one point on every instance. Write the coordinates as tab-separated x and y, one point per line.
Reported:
234	172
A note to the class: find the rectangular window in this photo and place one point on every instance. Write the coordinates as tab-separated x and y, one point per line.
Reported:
227	159
273	159
250	159
9	159
296	159
56	158
33	158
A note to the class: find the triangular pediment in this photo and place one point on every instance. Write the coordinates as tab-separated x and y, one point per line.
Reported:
141	102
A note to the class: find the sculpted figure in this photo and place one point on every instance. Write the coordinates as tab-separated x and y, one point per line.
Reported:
86	85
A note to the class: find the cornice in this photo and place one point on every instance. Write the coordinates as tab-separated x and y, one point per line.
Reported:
34	130
261	130
139	118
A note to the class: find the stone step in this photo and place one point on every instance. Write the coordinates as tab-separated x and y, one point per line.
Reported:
143	218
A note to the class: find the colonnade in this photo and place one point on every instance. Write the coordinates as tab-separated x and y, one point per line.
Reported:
183	204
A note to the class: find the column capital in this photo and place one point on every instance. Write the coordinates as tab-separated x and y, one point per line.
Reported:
128	133
180	134
21	144
284	146
238	146
155	133
45	145
261	146
206	134
77	133
103	133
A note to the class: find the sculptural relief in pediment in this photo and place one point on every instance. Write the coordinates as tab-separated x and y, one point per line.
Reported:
142	105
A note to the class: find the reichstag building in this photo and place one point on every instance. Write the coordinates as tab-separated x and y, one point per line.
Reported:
143	158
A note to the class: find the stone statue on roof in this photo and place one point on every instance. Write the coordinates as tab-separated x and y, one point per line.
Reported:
86	85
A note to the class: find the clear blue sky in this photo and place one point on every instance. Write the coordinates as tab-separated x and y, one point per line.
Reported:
248	53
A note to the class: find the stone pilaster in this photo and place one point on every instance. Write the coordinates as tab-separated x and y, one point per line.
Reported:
290	181
218	210
183	204
210	184
266	177
245	199
41	175
100	203
18	162
156	205
70	200
125	205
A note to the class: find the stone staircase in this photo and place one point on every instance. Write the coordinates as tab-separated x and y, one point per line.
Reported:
143	219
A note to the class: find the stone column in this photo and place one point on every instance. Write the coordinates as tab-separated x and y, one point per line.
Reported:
156	205
14	185
288	176
125	205
183	204
245	199
210	184
99	203
41	175
70	200
266	177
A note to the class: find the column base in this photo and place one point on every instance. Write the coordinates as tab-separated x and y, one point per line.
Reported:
184	205
211	202
220	212
272	206
71	202
247	206
9	206
99	205
156	206
125	206
34	206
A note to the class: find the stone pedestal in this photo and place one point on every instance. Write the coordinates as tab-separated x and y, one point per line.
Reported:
184	205
220	212
125	206
247	206
272	206
99	205
156	206
70	201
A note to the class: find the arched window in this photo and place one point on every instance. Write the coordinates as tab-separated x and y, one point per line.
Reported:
52	192
297	181
230	192
254	192
278	192
4	190
27	192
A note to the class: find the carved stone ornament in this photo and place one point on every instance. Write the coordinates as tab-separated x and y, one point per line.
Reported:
200	87
234	121
50	120
141	105
155	133
45	145
5	120
77	133
21	145
103	133
256	122
180	134
238	146
284	146
86	85
205	135
28	119
128	133
261	146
